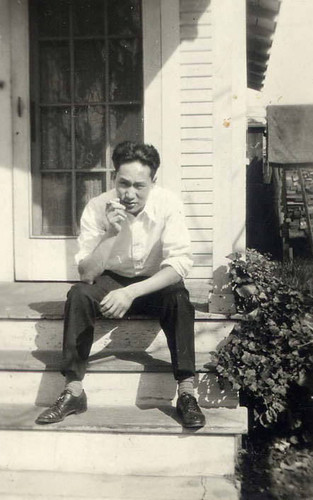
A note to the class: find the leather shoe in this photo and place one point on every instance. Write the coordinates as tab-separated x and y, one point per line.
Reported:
66	404
189	412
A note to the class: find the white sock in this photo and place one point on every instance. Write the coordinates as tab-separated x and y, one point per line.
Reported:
75	387
186	385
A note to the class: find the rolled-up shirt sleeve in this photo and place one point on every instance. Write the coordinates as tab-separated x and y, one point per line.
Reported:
176	242
92	230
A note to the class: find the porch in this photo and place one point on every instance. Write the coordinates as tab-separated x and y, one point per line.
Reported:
131	396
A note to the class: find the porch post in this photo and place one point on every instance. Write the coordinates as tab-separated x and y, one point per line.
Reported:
229	143
6	161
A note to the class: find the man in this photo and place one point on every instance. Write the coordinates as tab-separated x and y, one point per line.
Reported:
133	254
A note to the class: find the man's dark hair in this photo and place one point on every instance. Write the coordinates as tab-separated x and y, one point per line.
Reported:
127	152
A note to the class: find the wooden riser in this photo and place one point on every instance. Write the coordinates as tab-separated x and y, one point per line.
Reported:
56	485
128	335
121	454
107	389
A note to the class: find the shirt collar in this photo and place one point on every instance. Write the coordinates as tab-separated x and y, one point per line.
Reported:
150	208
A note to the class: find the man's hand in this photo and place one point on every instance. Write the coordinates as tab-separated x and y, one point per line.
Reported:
115	213
116	303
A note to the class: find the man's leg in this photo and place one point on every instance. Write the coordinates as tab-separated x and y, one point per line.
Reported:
176	315
81	310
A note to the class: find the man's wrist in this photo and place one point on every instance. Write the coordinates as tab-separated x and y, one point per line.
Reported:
132	291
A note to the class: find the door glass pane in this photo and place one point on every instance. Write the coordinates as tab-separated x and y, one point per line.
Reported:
124	18
90	57
88	17
125	70
53	18
55	72
87	186
56	138
86	96
90	137
56	204
125	121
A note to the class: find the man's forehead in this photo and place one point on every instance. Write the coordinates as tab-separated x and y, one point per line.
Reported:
134	173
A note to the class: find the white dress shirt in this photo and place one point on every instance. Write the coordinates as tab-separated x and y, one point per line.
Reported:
155	238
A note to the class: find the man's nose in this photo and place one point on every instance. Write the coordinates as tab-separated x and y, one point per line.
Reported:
130	193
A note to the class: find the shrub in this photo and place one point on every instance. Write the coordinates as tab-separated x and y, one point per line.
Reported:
270	350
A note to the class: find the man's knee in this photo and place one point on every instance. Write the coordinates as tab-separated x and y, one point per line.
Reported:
79	291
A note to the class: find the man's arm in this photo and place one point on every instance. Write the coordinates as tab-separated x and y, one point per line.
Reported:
94	264
116	303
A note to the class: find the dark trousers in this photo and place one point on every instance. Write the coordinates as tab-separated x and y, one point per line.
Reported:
170	305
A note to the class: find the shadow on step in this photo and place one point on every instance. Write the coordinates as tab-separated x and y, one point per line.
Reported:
119	357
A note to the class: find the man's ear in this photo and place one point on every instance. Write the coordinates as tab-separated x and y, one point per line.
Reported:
155	179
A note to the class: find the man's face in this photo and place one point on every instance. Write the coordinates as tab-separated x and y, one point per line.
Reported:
133	184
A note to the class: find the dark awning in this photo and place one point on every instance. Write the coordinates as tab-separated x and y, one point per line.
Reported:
290	134
261	25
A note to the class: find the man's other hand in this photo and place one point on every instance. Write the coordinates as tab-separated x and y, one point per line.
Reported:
115	213
116	303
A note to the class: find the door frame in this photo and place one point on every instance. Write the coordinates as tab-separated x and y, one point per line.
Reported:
161	128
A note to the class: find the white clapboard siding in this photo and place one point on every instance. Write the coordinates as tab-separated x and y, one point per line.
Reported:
196	121
202	260
204	222
198	209
196	146
196	95
194	5
197	18
196	133
201	235
195	82
196	159
195	69
196	111
201	272
197	197
195	31
196	44
196	108
196	57
198	172
201	247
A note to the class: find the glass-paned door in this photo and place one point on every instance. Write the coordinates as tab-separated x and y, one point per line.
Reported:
86	95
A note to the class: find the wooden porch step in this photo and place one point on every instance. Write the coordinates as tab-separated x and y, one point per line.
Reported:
109	360
144	389
41	485
45	300
126	419
110	336
123	441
